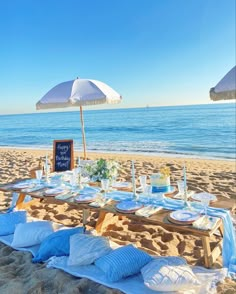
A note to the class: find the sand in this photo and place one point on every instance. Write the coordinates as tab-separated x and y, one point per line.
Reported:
19	275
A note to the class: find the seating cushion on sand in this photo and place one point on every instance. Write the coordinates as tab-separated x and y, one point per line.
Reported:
169	274
56	244
8	221
32	233
122	262
129	285
85	249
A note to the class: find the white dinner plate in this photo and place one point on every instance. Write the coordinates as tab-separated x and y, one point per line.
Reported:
184	215
199	196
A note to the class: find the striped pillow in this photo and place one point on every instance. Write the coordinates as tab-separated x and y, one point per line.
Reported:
122	262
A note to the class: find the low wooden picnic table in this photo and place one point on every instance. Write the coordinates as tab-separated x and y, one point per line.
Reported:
160	218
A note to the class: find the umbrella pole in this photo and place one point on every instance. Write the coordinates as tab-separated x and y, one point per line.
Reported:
83	134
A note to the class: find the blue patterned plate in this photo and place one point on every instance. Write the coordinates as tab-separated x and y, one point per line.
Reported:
85	198
54	191
22	185
128	206
90	190
184	215
199	196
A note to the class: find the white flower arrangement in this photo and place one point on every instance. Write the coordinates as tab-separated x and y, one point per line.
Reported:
103	169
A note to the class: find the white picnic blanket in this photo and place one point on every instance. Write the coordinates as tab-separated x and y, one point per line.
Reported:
130	285
135	284
7	240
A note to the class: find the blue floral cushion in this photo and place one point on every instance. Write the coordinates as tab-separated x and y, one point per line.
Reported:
8	221
122	262
56	244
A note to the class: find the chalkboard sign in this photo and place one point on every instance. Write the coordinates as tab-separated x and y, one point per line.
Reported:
63	155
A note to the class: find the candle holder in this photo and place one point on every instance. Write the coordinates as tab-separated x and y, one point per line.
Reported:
186	202
135	195
79	178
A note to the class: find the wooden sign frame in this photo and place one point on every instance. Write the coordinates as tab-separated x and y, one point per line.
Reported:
71	144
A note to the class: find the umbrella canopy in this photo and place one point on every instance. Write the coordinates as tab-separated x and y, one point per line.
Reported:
78	92
226	88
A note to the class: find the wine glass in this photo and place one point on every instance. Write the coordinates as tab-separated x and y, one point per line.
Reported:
105	186
205	202
143	182
113	181
39	174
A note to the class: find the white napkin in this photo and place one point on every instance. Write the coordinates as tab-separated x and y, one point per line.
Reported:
99	203
205	222
64	196
147	211
181	196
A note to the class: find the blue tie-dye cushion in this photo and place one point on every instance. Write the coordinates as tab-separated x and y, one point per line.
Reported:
56	244
122	262
8	221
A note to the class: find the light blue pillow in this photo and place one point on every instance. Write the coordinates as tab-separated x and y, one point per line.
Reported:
122	262
8	221
56	244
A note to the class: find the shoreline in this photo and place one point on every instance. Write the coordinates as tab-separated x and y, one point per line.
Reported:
122	153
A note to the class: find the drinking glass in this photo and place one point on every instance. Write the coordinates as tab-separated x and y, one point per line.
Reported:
113	181
205	202
148	192
47	169
73	181
143	182
105	186
181	187
39	174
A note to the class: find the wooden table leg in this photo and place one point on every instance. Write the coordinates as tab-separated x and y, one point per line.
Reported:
20	200
102	218
221	229
86	214
207	251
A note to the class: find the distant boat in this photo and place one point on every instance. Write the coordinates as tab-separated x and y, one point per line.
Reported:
147	106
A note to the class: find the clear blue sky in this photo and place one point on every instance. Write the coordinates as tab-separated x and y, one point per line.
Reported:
156	52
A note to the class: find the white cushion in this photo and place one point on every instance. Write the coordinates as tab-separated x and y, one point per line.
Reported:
169	274
30	234
85	249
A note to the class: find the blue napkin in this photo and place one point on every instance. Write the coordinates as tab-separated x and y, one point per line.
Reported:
229	239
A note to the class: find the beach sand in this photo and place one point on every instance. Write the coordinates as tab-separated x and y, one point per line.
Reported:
19	275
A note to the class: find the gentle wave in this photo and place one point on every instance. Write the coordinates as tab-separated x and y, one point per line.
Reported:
206	131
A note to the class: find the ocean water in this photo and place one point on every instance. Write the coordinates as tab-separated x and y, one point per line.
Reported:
206	131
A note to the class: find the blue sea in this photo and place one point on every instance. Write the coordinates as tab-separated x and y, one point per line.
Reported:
206	131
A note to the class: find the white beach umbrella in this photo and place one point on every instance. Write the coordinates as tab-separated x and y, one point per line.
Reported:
226	88
79	92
